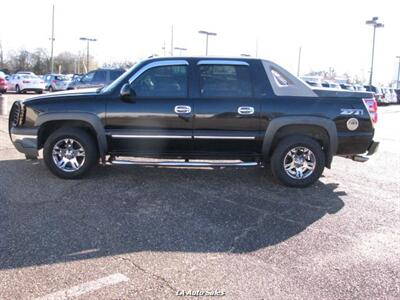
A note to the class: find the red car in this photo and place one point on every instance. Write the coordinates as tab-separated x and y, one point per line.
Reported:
3	83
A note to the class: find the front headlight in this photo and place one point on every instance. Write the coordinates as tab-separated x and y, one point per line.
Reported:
17	114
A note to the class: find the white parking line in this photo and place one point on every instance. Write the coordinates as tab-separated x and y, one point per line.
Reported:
87	287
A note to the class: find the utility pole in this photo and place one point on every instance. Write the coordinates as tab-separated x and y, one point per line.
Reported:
375	24
398	74
172	40
207	33
52	43
163	47
88	40
298	63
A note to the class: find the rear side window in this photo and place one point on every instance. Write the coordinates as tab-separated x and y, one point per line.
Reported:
165	81
225	81
279	78
100	76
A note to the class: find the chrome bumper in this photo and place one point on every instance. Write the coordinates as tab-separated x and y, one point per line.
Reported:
25	140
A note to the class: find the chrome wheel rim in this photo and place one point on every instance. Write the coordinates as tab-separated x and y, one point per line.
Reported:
68	155
299	163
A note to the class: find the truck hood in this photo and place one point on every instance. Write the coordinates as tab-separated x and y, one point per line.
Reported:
321	92
62	94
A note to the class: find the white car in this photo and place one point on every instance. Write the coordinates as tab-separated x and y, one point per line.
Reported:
393	98
21	83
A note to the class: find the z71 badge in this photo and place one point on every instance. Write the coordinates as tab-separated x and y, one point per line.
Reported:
351	112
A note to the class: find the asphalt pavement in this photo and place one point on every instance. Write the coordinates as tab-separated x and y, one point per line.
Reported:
160	233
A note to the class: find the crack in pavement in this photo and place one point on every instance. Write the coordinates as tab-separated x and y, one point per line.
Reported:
246	230
135	265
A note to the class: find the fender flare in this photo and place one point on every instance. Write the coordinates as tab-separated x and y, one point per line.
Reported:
89	118
326	124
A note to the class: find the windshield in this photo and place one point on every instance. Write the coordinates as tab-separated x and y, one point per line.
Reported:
117	81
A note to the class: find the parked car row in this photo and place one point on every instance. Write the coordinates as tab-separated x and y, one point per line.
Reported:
383	95
25	81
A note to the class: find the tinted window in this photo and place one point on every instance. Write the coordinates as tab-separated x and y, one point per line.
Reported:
225	81
167	81
114	74
100	76
60	77
279	78
88	77
324	84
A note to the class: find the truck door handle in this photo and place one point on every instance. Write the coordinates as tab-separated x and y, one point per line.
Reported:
182	109
245	110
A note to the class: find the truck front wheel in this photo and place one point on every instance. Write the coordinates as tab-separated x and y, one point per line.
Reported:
70	152
297	161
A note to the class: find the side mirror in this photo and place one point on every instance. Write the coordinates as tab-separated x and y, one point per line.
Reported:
126	92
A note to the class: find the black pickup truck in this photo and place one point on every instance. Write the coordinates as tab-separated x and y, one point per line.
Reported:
199	111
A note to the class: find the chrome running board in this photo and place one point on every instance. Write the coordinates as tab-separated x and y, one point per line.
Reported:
183	164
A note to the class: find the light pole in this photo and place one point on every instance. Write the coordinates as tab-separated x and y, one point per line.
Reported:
172	40
298	63
398	74
207	33
375	24
52	42
88	40
180	50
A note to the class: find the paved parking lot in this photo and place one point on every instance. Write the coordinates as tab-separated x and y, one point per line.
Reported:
145	233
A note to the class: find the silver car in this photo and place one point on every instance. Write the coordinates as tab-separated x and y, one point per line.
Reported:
56	82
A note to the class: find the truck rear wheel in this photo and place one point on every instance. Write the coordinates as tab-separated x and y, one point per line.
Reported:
298	161
70	153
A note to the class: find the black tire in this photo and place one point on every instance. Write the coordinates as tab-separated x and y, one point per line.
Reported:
51	89
283	148
85	140
17	89
39	92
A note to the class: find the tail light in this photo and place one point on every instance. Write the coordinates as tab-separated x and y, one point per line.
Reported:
2	80
26	81
372	107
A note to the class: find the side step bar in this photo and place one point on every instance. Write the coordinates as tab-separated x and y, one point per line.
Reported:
357	157
183	164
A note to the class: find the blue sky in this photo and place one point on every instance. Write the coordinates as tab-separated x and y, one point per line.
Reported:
331	33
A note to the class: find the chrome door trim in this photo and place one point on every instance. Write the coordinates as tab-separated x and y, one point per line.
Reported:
245	110
140	136
183	109
161	63
220	137
222	62
214	137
